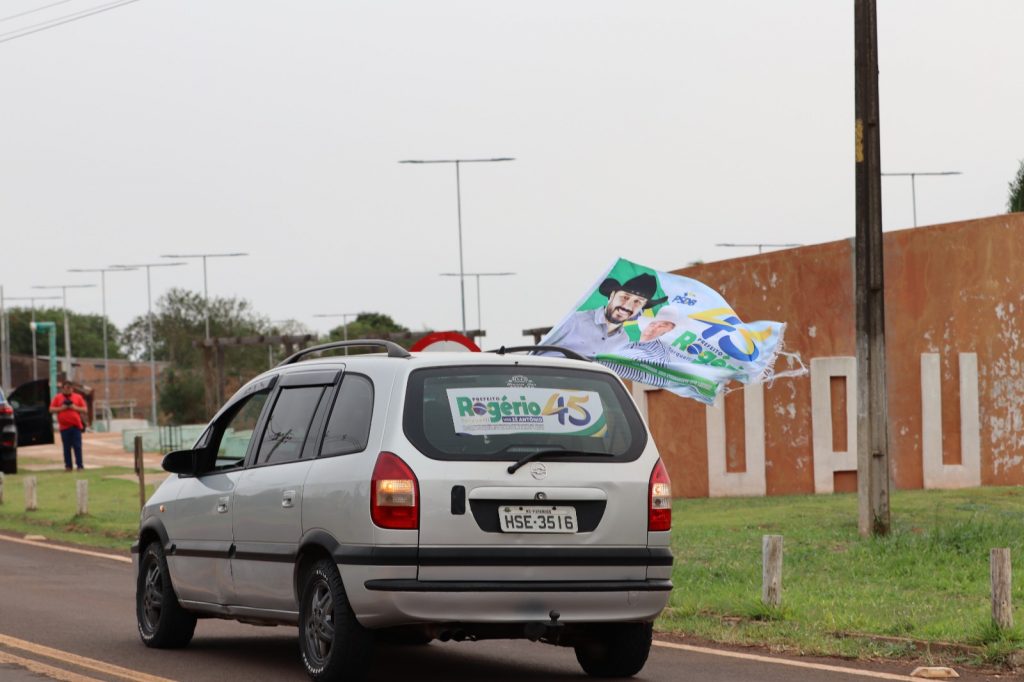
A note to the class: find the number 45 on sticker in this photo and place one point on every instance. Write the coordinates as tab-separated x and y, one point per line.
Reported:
557	405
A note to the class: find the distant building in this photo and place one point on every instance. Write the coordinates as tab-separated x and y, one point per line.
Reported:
129	382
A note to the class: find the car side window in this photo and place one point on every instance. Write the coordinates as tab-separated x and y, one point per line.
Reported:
238	432
288	425
348	429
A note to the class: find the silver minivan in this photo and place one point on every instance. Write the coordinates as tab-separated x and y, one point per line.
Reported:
411	497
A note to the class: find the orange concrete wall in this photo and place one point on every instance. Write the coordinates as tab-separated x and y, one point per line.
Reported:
956	288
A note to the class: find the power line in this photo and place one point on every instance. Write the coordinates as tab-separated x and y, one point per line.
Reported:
32	11
66	19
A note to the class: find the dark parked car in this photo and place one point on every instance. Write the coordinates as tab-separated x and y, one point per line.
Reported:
31	403
8	438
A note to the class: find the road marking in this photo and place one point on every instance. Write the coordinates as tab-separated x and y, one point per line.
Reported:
786	661
43	669
72	550
80	661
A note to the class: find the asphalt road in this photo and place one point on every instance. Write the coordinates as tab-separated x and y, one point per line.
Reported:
75	613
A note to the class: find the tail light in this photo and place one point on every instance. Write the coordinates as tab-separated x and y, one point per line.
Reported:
394	497
6	409
659	513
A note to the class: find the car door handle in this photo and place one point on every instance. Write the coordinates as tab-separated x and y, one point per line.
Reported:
288	499
222	505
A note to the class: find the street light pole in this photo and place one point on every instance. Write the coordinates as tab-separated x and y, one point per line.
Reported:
69	372
206	293
913	185
344	322
458	200
106	358
149	321
32	302
478	275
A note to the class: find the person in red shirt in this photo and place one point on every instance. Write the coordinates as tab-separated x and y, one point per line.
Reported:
69	408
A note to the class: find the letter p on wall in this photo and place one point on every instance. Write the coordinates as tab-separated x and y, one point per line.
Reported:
828	460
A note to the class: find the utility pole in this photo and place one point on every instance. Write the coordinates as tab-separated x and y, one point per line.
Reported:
872	404
69	372
32	300
155	413
344	322
106	355
478	275
913	184
458	204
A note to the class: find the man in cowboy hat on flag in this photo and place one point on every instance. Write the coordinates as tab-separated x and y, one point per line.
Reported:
589	332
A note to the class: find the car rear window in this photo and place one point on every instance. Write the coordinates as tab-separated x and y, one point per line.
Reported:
505	413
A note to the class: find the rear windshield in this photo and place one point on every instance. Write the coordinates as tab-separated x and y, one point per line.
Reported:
505	413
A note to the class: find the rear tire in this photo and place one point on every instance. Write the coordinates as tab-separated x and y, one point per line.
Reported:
333	645
615	649
163	624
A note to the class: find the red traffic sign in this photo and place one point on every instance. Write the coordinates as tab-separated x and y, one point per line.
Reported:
445	342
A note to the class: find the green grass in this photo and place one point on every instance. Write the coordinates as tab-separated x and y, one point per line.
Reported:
113	518
928	580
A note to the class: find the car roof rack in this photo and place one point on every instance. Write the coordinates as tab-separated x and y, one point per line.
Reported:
394	350
571	354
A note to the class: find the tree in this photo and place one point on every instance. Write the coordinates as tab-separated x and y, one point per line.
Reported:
182	396
1016	201
86	333
180	319
370	326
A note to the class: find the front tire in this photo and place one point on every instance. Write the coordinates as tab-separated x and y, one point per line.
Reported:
616	649
334	646
163	623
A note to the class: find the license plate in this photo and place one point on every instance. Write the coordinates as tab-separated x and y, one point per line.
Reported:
536	519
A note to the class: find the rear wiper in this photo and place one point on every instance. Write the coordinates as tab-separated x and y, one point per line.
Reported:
512	468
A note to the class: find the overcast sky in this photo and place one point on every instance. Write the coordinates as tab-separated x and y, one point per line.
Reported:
646	130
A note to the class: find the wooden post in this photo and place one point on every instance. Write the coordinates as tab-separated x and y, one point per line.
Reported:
82	488
1002	604
140	469
771	571
31	502
1	487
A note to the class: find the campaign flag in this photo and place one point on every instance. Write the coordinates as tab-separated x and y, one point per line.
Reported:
668	331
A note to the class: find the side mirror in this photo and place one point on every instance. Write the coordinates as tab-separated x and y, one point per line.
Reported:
181	462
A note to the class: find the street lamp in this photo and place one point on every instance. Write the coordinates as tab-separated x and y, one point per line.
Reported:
344	322
106	360
458	199
478	275
913	187
32	300
149	317
68	370
206	296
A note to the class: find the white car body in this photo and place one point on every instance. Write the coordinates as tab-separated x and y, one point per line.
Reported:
236	540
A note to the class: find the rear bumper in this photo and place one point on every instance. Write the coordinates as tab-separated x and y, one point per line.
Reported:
491	588
383	602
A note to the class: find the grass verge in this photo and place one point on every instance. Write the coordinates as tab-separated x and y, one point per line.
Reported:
113	518
843	595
